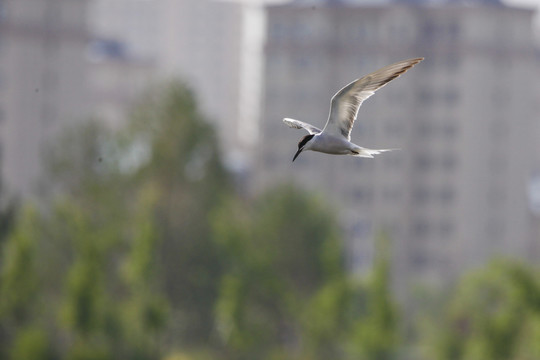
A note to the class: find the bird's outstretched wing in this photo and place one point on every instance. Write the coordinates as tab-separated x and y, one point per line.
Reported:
297	124
347	101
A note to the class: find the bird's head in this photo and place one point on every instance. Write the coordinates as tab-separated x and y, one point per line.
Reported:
302	144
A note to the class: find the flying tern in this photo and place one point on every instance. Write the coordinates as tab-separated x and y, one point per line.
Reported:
335	138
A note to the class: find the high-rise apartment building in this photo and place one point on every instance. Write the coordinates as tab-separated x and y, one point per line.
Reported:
465	119
42	82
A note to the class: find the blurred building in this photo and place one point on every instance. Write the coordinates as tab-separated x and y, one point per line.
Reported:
117	80
42	81
465	119
134	23
202	42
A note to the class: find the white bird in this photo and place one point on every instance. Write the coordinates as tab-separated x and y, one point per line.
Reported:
336	135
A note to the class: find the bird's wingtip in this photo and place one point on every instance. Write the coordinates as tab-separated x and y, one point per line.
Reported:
291	123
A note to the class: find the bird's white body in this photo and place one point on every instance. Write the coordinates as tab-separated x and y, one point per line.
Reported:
336	135
338	145
330	144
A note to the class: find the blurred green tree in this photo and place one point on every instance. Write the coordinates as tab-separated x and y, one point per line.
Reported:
144	251
286	294
125	251
146	308
170	152
375	332
19	280
493	315
32	343
168	146
280	252
111	305
184	166
8	212
87	310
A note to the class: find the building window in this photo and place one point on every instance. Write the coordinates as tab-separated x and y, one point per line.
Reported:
429	31
303	61
277	31
447	195
301	31
421	195
419	260
452	61
424	129
440	31
423	162
361	229
448	162
399	34
451	96
449	129
453	31
394	128
446	228
420	228
362	195
425	97
391	195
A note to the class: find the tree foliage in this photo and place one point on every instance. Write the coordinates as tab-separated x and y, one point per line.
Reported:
493	315
143	250
126	260
184	166
280	251
286	293
375	335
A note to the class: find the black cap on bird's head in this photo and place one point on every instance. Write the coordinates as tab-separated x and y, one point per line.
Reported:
301	144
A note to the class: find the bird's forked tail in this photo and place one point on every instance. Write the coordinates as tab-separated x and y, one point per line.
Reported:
368	153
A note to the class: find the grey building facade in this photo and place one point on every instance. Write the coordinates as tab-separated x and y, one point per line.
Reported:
465	119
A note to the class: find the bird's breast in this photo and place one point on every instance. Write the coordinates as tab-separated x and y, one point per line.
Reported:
330	144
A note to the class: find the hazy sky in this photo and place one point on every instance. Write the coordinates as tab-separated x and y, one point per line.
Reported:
525	3
528	3
532	3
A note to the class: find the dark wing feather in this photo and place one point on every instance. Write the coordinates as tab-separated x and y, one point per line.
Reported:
347	101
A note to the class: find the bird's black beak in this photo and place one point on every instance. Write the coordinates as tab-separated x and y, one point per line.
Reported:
297	153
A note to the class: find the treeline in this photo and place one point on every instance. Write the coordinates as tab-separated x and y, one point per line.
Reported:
144	249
